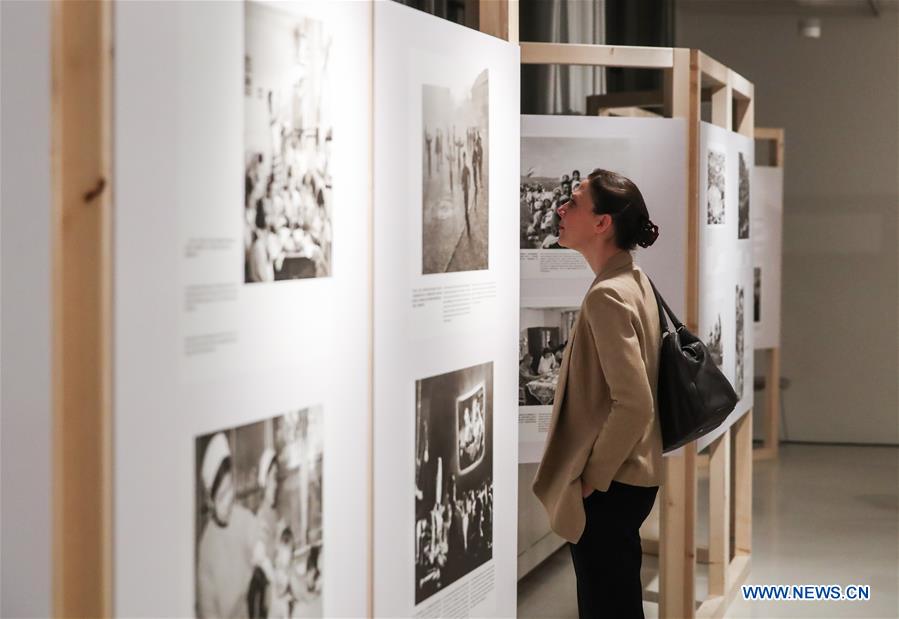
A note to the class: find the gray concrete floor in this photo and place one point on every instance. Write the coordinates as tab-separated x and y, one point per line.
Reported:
822	514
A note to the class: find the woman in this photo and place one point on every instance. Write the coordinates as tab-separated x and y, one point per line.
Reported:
547	362
603	459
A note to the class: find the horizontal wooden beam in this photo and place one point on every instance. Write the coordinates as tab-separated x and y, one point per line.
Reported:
713	72
598	55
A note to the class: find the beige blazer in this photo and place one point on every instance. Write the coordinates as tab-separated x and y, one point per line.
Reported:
604	424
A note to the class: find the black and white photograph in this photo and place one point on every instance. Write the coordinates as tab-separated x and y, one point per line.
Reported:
715	344
715	189
453	477
455	174
258	518
743	213
471	440
740	358
287	146
541	343
551	169
757	295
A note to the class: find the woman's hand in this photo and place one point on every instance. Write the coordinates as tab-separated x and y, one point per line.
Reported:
586	490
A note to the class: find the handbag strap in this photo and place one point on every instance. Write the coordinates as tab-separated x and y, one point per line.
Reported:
663	309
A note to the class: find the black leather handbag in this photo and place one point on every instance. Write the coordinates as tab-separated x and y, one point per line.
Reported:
694	396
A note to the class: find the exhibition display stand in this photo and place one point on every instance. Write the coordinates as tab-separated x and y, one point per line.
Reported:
271	307
691	77
176	348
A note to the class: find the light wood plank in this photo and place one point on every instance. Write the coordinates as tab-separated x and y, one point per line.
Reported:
719	513
498	18
597	55
743	485
672	527
714	73
688	105
82	316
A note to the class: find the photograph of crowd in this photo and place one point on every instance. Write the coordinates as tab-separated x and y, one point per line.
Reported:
258	518
551	171
453	477
541	343
743	213
539	197
740	359
715	345
715	187
287	146
455	173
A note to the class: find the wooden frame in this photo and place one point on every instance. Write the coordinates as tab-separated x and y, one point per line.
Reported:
680	98
82	308
82	506
690	76
770	443
730	474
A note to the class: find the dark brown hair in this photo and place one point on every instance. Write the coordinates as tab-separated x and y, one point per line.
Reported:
616	195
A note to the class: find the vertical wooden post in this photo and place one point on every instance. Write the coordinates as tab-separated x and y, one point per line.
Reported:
499	18
743	486
677	542
719	514
82	317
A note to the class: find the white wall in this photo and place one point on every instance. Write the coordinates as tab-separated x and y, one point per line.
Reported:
25	445
838	99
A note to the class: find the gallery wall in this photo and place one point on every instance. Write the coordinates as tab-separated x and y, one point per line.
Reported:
841	226
25	382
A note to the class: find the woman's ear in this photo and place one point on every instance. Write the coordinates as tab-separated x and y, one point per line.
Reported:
603	223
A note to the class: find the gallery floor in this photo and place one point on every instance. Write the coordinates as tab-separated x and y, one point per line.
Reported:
822	514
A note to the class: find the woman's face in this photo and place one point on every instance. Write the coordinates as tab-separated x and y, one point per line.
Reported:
579	225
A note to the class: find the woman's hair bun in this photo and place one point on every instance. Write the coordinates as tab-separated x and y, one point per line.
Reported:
648	233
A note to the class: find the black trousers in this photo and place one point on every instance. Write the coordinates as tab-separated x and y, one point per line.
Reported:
608	556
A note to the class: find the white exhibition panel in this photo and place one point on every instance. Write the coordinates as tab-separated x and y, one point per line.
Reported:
725	261
280	364
767	250
446	290
653	154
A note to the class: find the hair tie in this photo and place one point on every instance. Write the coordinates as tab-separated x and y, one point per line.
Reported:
650	232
